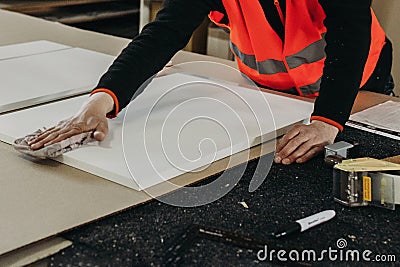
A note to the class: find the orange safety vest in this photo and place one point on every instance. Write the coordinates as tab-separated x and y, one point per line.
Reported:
298	60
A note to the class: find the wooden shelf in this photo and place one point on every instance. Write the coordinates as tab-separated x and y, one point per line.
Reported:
94	16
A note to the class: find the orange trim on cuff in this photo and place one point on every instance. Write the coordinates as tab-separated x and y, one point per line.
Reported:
115	111
329	121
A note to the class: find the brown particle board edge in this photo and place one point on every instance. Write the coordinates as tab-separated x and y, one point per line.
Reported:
394	159
34	252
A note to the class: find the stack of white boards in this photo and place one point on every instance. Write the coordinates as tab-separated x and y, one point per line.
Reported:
180	123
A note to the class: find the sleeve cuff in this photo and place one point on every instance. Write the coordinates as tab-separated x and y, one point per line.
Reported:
115	111
329	121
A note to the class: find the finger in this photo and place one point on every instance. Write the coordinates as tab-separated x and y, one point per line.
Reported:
42	142
63	122
101	131
284	141
54	137
42	135
292	145
45	141
47	130
63	135
299	152
61	127
310	154
286	138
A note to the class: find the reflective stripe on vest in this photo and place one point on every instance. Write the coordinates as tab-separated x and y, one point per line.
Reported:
311	88
269	66
310	54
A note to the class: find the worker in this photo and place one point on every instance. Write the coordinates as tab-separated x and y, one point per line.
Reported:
279	44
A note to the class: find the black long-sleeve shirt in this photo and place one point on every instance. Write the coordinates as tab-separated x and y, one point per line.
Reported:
348	38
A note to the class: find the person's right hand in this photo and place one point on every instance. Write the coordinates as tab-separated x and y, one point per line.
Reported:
90	118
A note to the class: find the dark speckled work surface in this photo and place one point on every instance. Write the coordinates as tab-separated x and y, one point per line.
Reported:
141	236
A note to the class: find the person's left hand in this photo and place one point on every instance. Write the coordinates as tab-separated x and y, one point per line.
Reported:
303	142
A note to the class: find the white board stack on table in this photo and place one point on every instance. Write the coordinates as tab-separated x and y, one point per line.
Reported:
178	124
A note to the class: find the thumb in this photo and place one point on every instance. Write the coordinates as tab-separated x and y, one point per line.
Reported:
101	131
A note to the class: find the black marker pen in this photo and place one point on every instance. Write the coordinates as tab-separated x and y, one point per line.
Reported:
305	223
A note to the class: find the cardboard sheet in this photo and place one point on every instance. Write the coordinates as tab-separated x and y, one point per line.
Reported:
40	199
45	76
178	124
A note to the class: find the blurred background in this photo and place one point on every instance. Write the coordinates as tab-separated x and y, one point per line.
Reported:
125	18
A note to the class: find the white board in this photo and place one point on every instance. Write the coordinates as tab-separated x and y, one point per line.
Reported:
30	48
178	124
28	80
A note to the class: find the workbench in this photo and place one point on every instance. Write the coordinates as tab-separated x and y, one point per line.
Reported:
141	235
